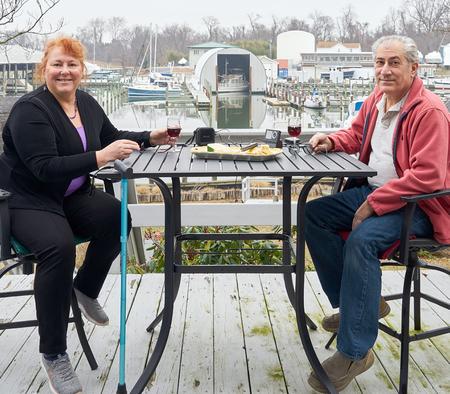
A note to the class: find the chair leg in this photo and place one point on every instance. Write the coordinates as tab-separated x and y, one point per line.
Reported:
82	334
416	297
28	265
404	334
330	341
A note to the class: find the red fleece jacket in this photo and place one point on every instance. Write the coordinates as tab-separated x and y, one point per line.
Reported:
420	150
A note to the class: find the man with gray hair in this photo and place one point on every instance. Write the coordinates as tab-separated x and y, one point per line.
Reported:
401	131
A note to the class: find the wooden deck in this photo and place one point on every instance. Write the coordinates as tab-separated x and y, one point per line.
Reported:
230	334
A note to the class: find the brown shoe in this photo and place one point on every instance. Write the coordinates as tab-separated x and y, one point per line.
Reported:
341	371
331	323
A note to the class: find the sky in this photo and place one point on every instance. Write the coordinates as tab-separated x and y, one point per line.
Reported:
229	12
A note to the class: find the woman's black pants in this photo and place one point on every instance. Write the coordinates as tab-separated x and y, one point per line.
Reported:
50	237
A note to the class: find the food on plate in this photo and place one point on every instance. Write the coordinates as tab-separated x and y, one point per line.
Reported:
259	150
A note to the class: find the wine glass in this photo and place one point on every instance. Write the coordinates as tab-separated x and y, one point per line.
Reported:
174	129
294	128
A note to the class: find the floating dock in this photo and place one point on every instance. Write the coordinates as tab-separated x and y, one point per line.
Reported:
201	100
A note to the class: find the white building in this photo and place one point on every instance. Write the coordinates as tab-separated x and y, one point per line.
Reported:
291	44
444	50
225	70
271	67
198	50
17	66
300	58
337	47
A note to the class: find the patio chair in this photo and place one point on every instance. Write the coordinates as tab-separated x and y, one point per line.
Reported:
13	255
403	253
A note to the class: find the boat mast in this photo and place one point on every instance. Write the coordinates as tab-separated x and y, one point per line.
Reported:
150	50
154	51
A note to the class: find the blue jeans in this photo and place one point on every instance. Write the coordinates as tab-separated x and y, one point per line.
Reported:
349	271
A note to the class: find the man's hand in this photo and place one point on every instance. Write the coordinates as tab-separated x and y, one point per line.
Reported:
160	137
363	212
320	143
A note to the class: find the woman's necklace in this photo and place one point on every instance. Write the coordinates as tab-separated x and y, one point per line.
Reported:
76	111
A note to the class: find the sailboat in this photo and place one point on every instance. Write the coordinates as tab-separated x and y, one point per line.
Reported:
315	101
156	86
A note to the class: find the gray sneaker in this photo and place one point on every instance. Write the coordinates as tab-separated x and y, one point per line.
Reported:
91	309
62	379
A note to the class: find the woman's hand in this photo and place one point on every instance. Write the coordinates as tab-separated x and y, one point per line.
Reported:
160	137
321	143
120	149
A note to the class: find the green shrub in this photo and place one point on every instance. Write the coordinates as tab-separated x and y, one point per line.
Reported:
218	252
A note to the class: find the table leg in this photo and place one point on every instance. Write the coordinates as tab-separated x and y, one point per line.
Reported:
287	225
300	286
168	290
176	193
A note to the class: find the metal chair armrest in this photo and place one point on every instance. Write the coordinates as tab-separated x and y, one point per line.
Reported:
418	197
4	195
5	232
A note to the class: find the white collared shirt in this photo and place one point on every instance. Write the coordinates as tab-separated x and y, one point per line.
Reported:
381	158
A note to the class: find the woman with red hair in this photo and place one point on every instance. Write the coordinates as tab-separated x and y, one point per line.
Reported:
54	137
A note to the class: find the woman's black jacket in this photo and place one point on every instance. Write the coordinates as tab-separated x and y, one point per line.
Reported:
43	151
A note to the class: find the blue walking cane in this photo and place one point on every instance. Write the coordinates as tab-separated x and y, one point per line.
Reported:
125	173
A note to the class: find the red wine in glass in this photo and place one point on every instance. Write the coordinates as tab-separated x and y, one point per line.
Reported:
173	131
294	128
294	131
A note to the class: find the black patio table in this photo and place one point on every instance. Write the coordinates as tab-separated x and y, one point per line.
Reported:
157	163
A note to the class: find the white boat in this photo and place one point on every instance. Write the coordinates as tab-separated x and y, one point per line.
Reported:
158	89
315	102
441	83
232	83
353	108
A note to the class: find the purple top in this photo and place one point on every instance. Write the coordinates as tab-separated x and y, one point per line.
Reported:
76	183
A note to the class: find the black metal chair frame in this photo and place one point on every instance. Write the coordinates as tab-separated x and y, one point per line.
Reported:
13	260
405	255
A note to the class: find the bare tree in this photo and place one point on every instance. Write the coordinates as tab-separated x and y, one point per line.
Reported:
253	19
237	33
278	26
212	25
116	26
429	15
297	24
322	26
346	24
391	24
30	14
258	30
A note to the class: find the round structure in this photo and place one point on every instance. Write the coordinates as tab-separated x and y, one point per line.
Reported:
433	58
227	70
291	44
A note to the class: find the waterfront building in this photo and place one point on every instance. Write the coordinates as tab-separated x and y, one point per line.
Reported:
291	44
336	61
271	67
444	50
17	66
229	70
198	50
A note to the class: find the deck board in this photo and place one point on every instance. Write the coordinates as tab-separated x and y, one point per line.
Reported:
230	334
